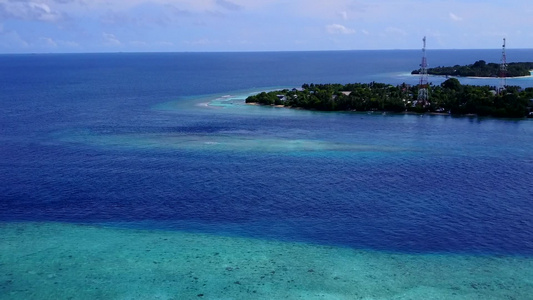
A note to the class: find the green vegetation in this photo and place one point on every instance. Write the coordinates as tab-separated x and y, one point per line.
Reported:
449	97
482	69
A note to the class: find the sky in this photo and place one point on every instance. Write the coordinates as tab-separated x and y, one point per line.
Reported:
72	26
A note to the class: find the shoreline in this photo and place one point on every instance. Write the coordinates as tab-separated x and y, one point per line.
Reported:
475	77
385	112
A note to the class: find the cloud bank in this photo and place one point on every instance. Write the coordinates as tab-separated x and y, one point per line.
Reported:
258	25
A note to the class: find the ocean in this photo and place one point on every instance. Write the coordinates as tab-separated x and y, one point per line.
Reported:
144	175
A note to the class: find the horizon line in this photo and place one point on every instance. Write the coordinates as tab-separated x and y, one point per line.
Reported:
251	51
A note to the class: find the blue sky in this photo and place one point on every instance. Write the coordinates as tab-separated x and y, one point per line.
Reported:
260	25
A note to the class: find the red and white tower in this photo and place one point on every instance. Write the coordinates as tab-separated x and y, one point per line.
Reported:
423	95
503	70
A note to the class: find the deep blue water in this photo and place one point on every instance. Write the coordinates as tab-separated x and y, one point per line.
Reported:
84	139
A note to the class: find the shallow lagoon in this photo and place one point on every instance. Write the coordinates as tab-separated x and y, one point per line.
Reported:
62	261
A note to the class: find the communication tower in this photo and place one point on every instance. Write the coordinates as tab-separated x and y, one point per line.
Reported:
423	85
503	70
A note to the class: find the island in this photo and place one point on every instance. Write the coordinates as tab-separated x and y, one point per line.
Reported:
483	69
450	97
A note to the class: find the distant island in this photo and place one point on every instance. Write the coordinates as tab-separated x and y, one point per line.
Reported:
450	97
482	69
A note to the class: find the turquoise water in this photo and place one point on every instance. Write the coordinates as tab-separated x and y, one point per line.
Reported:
51	261
145	176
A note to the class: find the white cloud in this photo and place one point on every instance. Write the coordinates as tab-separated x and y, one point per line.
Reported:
228	5
29	10
48	42
164	44
200	42
111	39
455	17
344	15
339	29
265	24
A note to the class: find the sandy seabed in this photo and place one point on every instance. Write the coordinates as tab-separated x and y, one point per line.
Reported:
64	261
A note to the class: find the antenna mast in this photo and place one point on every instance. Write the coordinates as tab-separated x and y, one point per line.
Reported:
423	85
503	69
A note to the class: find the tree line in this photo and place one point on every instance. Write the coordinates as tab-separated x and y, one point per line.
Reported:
449	97
483	69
